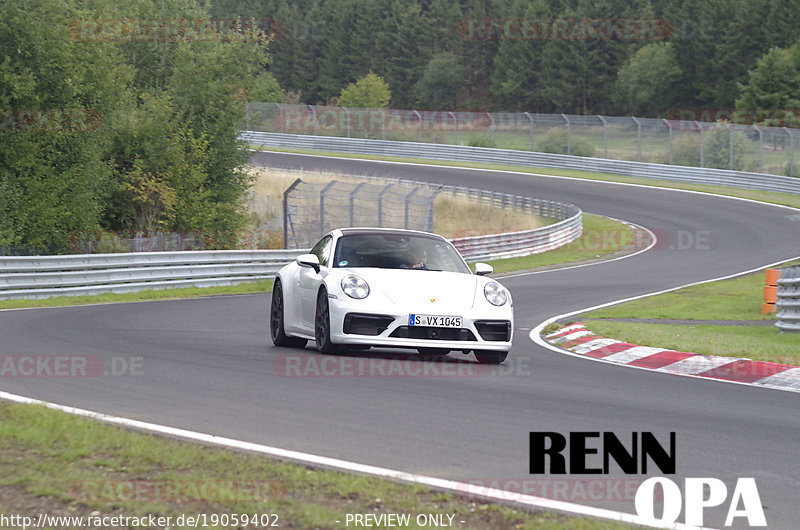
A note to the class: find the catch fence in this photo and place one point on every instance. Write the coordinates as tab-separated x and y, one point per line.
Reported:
690	137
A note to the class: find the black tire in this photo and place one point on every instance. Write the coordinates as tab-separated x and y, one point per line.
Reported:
322	325
490	357
276	329
433	352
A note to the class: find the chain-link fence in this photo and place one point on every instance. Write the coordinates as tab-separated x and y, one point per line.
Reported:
311	209
686	140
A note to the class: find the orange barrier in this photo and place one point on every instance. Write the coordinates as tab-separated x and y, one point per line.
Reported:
770	291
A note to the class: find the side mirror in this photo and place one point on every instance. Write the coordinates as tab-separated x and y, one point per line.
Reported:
483	269
308	260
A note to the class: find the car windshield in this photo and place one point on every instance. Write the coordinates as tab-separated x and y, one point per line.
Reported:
398	251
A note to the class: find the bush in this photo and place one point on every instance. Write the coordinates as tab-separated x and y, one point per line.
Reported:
481	141
716	149
555	141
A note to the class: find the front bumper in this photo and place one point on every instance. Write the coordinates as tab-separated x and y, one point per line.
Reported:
480	330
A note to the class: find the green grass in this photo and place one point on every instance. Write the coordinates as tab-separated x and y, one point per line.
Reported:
736	299
53	462
751	342
601	237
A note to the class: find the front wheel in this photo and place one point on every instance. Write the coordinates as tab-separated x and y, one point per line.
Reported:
490	357
322	325
276	329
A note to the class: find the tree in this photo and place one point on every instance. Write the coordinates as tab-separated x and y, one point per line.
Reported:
774	84
438	88
646	84
369	91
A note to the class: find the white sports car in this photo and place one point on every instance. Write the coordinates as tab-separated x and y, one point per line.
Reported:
364	287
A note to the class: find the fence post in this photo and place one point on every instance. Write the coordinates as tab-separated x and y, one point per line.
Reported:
530	128
347	113
314	113
605	136
322	193
383	192
419	126
429	223
669	129
352	201
638	137
760	147
286	193
702	145
790	171
407	200
569	136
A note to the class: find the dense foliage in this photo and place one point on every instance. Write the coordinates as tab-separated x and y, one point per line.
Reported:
445	54
102	128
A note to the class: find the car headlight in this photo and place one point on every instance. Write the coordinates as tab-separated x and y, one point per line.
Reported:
355	287
495	293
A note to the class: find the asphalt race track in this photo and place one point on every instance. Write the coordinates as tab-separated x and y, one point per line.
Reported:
207	364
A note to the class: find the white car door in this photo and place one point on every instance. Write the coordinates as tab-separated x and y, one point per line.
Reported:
308	282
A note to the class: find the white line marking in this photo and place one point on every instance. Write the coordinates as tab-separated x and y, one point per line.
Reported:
697	364
460	488
632	354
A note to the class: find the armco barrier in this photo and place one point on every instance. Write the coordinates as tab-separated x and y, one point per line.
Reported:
43	276
788	295
488	155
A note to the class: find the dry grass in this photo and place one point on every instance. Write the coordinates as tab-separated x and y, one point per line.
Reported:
453	215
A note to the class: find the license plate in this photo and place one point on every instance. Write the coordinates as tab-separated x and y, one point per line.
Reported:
435	321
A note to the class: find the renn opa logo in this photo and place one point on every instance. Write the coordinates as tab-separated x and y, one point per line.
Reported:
592	452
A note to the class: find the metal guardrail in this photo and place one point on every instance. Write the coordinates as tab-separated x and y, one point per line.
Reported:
43	276
488	155
789	299
81	274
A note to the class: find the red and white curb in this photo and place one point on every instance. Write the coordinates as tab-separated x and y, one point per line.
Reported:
579	340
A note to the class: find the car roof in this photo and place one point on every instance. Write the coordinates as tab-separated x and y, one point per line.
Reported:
393	231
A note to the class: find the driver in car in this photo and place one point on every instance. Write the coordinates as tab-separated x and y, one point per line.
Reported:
416	258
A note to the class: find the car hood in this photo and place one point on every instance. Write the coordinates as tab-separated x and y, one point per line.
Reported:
422	290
